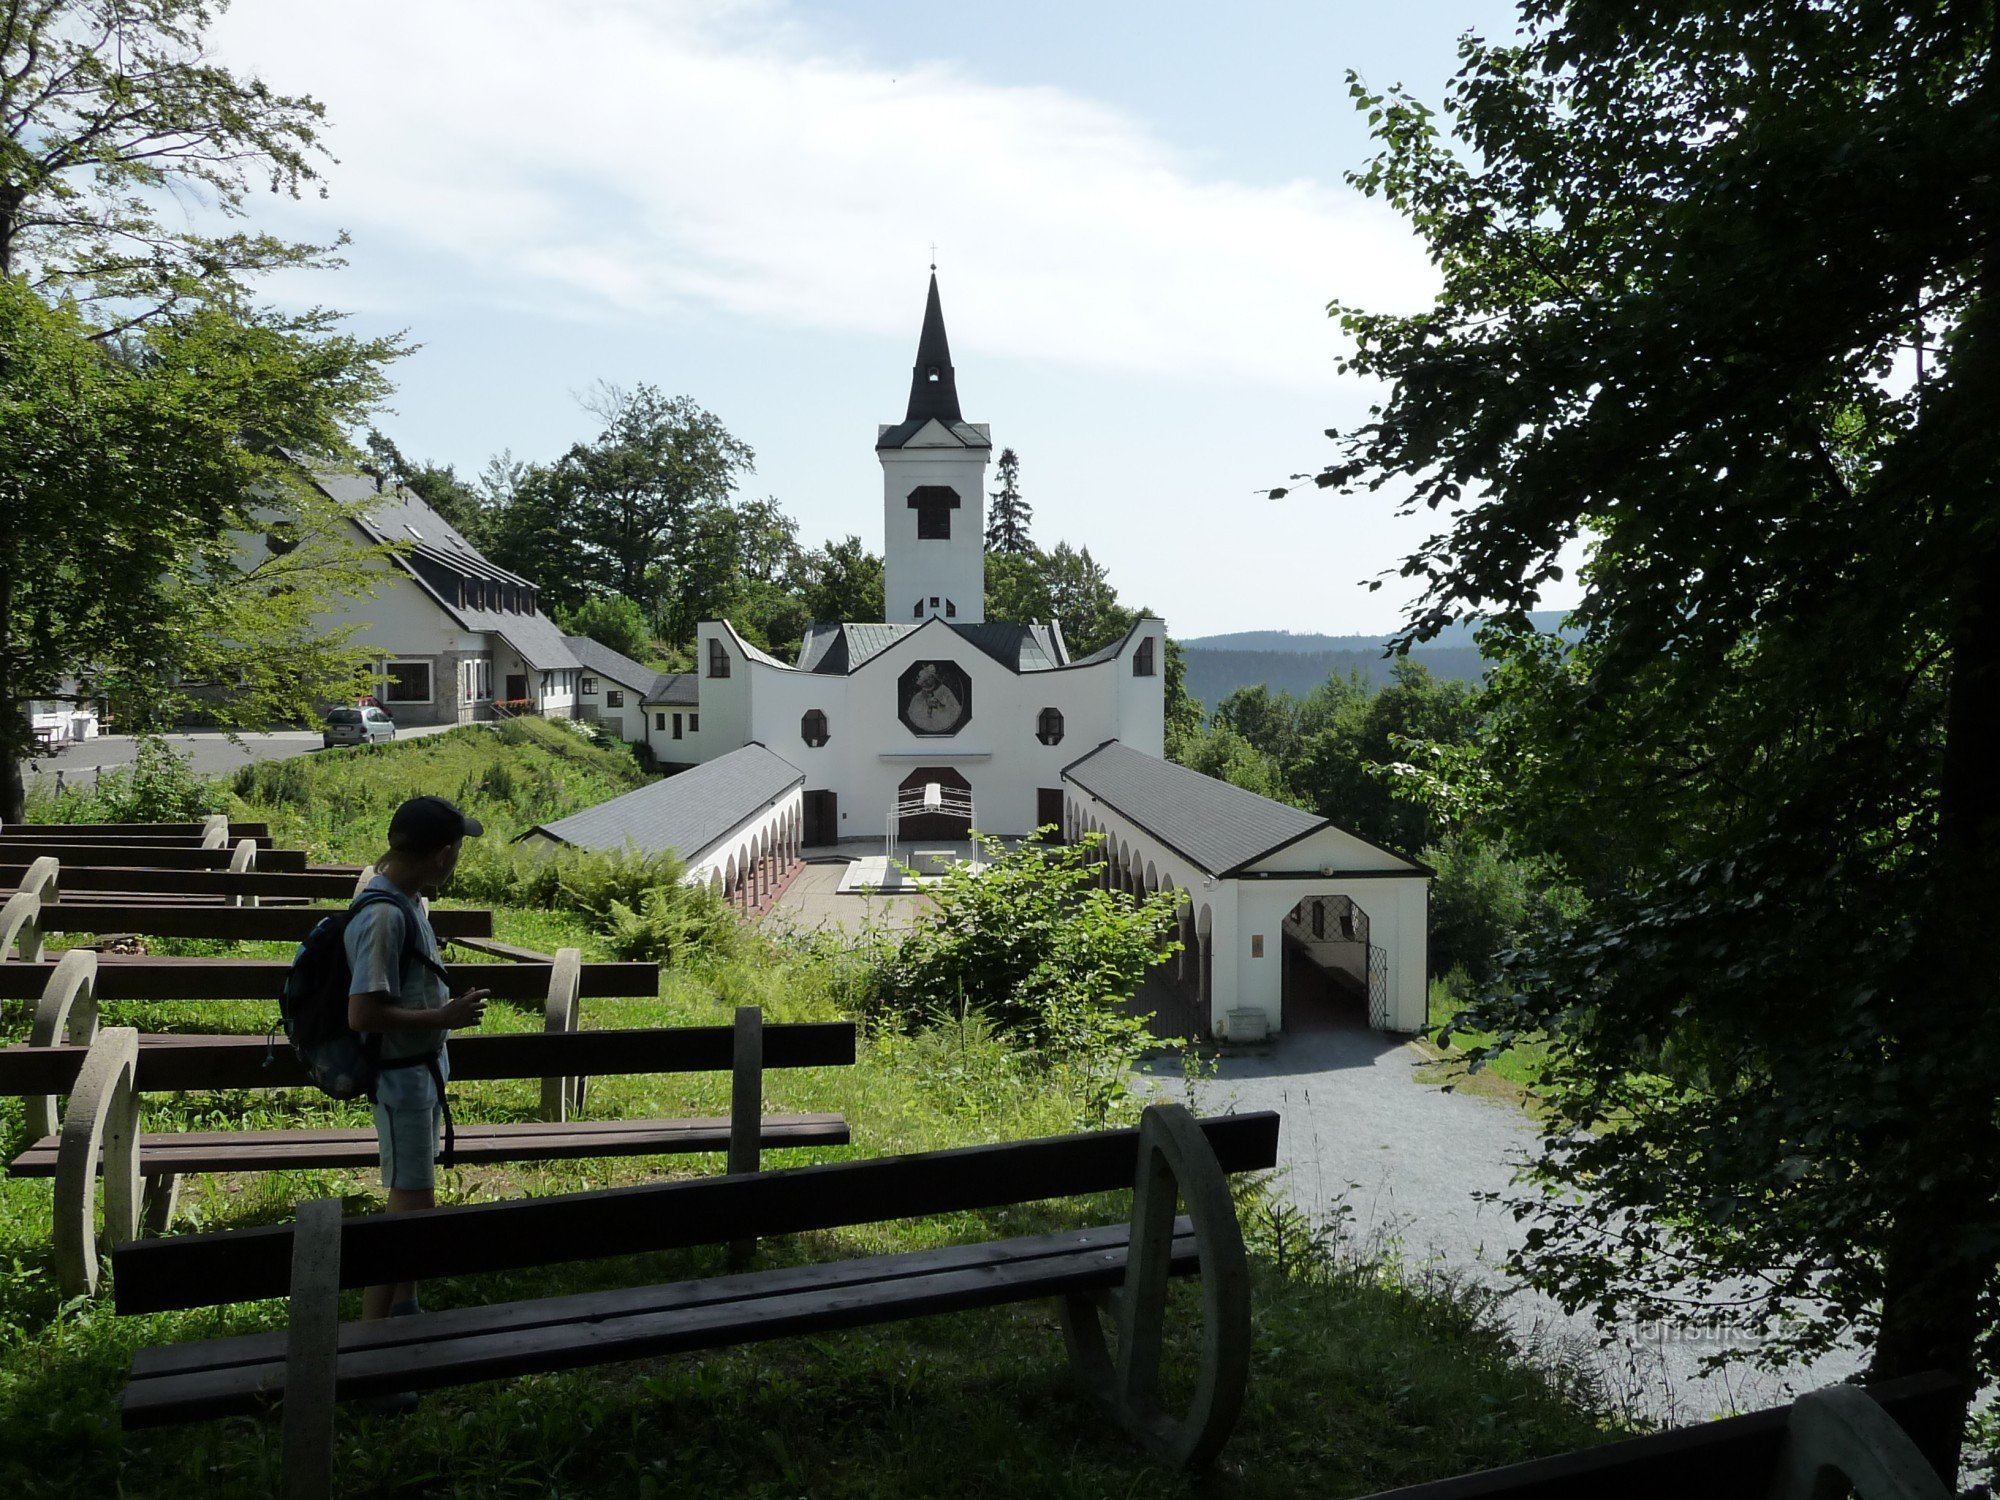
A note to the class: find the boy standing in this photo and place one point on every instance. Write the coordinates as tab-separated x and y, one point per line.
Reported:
408	1009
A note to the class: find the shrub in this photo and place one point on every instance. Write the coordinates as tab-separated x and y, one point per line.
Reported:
640	902
160	787
1047	956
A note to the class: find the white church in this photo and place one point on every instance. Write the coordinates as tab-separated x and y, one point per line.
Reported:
917	729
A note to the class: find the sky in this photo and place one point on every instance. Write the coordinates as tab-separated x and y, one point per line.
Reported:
1139	215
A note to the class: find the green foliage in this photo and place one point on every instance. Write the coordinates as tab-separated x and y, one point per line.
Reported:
1064	584
159	787
840	581
1483	903
611	620
649	498
115	109
141	467
1224	754
1009	516
1768	762
511	776
1030	941
638	902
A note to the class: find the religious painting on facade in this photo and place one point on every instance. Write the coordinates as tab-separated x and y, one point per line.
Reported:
935	697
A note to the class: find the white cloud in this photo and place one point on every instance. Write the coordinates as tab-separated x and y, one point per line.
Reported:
634	160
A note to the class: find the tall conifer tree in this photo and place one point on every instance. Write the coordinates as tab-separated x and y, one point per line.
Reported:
1007	519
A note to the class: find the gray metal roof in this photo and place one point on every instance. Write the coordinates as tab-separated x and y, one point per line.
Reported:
396	515
1215	826
601	659
685	813
675	689
1019	648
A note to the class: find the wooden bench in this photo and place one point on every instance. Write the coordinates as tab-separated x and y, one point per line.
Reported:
241	923
1122	1268
1889	1442
191	828
66	994
130	880
149	856
141	1172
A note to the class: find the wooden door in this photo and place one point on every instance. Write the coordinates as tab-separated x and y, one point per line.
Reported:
822	818
1049	809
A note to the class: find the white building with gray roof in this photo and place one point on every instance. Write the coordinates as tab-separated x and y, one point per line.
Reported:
456	638
935	721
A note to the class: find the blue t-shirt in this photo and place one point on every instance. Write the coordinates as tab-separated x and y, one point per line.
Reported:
374	955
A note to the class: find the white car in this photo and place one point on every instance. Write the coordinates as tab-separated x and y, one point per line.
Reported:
356	726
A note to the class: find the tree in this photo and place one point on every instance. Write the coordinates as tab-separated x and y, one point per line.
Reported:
1007	520
840	581
610	620
1682	251
767	540
531	529
650	498
140	468
1066	585
103	105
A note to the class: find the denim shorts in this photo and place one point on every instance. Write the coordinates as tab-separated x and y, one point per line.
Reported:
408	1123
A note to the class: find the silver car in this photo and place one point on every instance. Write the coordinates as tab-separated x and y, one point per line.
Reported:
356	726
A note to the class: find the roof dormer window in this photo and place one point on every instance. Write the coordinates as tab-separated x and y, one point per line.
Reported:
933	374
413	531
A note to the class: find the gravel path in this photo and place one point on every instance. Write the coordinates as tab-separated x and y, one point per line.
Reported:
1410	1159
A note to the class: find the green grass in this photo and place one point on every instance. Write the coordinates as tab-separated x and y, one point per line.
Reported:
1361	1380
1511	1074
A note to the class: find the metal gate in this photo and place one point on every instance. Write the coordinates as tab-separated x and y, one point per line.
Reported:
1378	987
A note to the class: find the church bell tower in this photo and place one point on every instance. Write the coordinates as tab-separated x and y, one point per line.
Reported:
934	492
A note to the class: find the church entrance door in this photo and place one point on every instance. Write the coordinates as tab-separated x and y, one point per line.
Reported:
822	818
949	827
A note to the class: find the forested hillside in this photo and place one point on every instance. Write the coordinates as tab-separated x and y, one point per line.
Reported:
1213	675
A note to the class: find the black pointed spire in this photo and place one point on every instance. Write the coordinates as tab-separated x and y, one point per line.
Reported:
933	388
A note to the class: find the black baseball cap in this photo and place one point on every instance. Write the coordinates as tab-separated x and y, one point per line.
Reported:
424	825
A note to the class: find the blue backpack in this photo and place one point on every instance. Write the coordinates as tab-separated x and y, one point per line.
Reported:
313	1004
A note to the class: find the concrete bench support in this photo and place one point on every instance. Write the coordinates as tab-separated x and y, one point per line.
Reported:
242	861
43	878
312	1347
215	832
21	928
103	1113
1175	1161
562	1097
67	1011
1839	1440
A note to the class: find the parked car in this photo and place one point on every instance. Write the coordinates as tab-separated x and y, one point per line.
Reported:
356	726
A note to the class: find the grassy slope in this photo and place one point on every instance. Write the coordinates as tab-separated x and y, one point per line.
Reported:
1360	1380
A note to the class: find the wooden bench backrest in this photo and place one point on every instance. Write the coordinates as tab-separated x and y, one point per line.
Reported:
1730	1459
172	1063
112	830
241	1265
261	979
243	923
131	880
146	856
84	838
